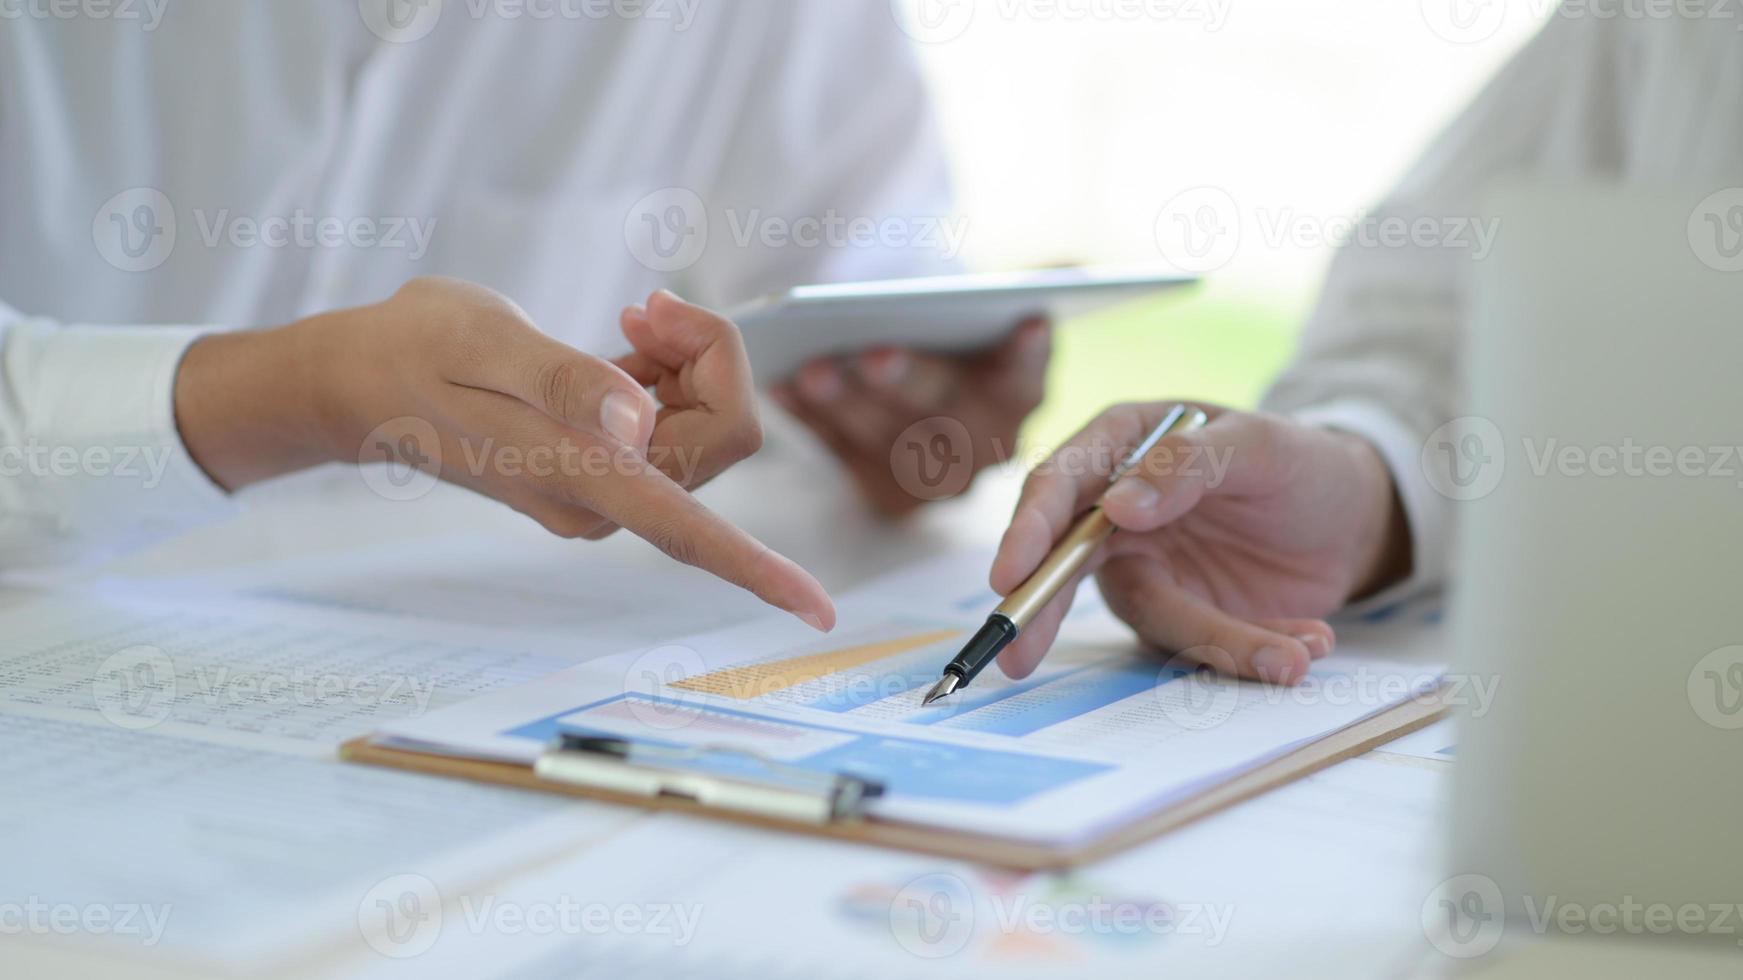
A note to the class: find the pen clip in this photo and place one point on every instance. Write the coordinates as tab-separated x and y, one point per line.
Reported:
1181	418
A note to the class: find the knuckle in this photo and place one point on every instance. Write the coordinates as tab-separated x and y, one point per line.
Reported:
745	439
470	340
1216	656
670	536
721	329
1042	486
718	332
419	286
1232	642
558	384
1268	433
1035	484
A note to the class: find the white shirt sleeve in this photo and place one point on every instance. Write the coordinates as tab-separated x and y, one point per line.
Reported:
838	153
1380	357
91	461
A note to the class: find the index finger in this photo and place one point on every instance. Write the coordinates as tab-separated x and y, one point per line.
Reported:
1064	486
702	374
645	501
699	351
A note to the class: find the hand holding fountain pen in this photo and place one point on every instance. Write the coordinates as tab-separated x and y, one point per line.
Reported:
1063	563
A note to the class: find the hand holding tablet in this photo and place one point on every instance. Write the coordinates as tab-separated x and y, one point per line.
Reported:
918	385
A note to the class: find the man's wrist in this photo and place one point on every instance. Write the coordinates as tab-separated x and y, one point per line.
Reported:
1385	555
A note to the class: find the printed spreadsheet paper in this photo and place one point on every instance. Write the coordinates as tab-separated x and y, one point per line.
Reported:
1102	733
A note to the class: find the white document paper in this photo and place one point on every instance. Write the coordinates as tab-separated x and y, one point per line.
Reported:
167	762
194	849
1101	734
1321	878
299	655
250	673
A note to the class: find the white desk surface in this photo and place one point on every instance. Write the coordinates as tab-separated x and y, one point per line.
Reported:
785	500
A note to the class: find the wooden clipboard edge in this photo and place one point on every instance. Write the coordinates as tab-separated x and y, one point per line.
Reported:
1017	855
883	833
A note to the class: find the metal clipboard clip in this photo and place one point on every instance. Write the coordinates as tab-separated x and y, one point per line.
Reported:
765	788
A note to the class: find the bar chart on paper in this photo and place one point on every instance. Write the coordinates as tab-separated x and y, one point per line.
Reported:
853	703
1100	732
882	671
886	660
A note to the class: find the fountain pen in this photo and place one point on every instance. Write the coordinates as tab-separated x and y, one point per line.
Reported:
1062	564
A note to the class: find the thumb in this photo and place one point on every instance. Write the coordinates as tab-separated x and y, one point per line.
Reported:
583	392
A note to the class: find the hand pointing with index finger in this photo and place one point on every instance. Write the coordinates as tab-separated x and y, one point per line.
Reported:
480	382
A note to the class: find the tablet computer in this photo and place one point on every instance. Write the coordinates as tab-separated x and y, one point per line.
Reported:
941	313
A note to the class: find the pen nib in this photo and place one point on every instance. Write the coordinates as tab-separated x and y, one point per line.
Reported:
944	688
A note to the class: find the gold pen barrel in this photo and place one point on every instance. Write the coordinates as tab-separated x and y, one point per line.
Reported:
1079	544
1067	558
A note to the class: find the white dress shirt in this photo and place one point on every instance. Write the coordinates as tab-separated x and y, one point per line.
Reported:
215	164
1650	101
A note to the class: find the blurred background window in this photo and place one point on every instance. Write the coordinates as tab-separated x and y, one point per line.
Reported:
1075	126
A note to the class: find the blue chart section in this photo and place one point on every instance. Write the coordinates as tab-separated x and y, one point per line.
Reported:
974	699
546	729
907	767
950	772
1027	708
917	671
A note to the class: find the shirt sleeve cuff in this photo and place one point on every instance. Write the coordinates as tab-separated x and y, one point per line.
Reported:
105	415
1425	510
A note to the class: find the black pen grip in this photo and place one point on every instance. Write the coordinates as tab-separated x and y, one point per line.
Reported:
995	635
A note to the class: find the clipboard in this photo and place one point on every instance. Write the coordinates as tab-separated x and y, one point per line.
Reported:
1303	761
